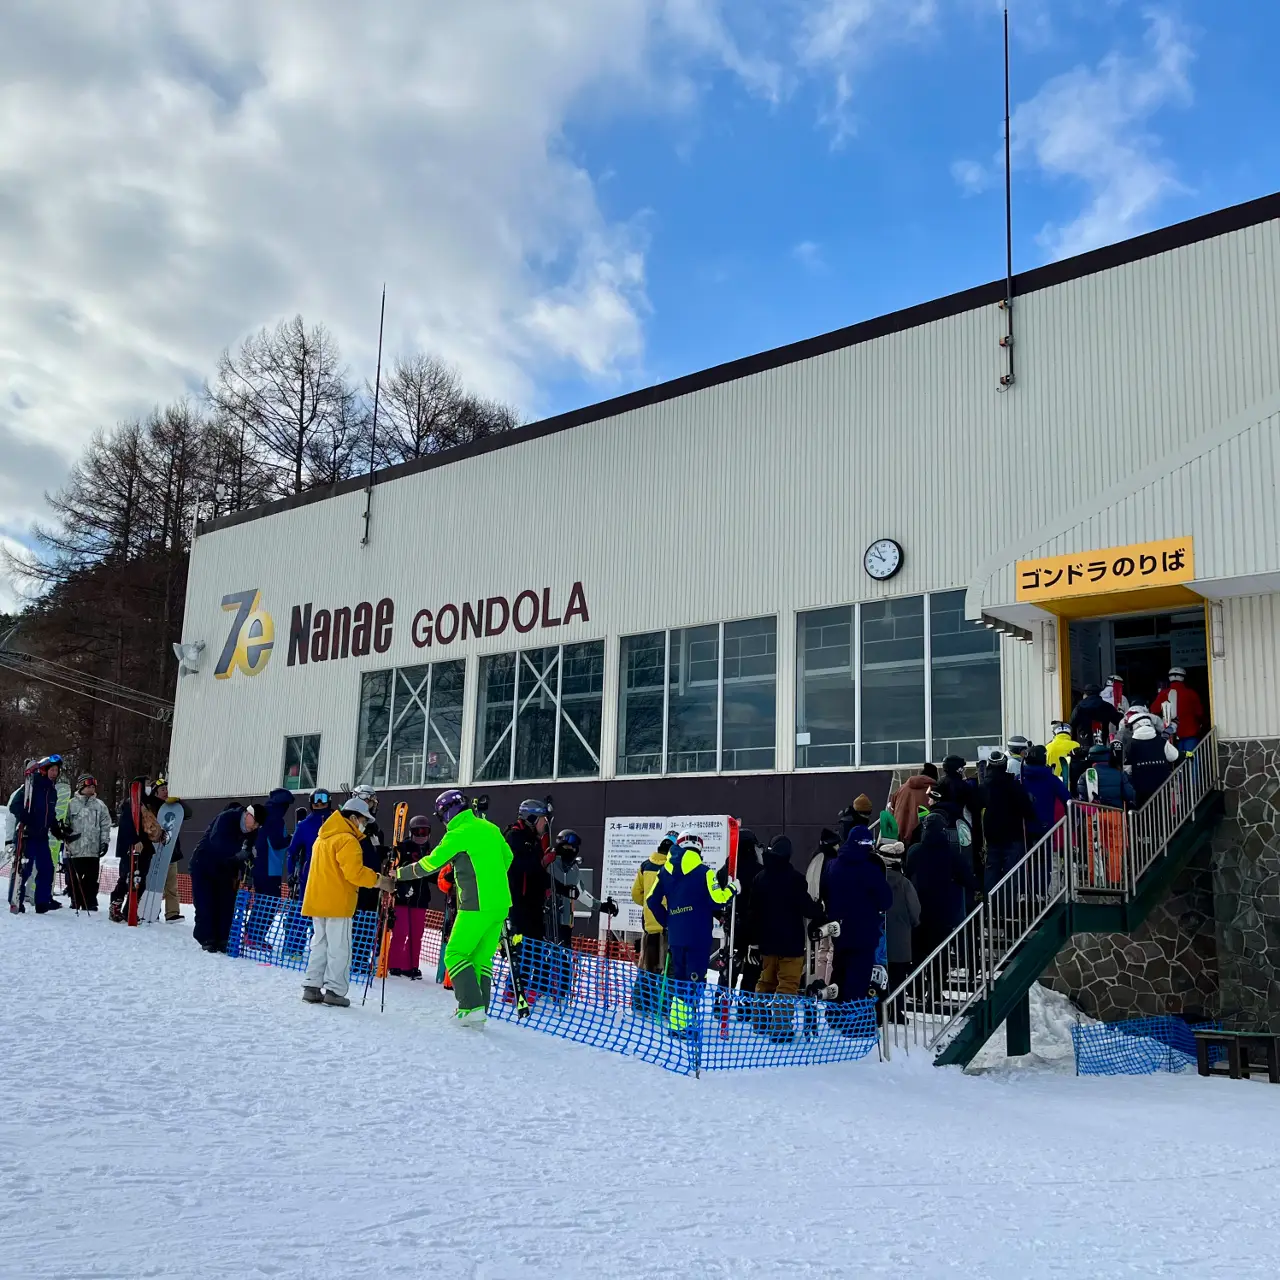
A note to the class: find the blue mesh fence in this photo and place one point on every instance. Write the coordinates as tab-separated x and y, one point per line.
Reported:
683	1027
273	931
1138	1047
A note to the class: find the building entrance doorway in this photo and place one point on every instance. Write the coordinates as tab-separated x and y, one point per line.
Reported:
1139	648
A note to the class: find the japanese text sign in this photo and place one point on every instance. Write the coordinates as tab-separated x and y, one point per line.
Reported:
1090	573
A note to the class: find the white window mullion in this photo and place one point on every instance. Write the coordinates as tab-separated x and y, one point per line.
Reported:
515	712
720	701
666	698
928	680
559	706
855	655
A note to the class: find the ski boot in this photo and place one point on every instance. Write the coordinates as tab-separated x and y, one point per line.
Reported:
333	998
313	995
471	1017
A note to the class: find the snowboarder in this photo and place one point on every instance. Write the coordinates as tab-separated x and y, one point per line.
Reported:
413	899
337	870
567	888
481	858
87	842
38	817
529	880
158	798
653	946
685	900
822	953
224	850
135	846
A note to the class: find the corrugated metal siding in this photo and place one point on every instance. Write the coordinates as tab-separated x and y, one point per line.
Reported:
759	496
1246	682
1029	695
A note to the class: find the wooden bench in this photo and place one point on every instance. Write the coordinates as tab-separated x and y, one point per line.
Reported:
1238	1046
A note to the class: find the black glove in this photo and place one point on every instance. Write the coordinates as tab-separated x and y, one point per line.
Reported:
753	955
245	856
69	835
609	907
722	876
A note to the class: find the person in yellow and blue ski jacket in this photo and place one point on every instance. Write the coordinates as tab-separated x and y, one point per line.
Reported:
684	900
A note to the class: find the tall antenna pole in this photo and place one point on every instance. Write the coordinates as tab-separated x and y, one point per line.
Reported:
373	430
1007	341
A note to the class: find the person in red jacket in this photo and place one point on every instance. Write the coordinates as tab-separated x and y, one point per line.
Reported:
1180	705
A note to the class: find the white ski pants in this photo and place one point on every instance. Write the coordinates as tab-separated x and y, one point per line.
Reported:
330	964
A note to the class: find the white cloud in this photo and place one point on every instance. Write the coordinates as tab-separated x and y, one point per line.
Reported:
177	173
971	177
1092	126
809	255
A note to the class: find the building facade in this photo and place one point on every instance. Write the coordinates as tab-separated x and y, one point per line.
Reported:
771	585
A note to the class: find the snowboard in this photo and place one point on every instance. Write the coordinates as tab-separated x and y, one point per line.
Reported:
17	874
170	817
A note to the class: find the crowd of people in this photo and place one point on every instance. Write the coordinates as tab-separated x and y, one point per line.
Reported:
880	893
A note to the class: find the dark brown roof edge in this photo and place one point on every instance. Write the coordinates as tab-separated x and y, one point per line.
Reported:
1179	236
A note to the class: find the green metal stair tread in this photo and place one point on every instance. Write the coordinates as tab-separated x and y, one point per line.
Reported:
1033	955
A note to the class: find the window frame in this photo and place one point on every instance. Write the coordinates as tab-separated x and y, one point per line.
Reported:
284	761
539	680
855	614
396	714
667	632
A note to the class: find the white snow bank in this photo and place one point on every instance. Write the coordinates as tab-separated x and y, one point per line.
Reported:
186	1115
1052	1017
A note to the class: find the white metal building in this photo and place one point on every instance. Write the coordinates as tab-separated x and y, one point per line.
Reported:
678	584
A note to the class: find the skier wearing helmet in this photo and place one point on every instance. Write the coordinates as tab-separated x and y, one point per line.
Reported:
685	899
38	817
528	880
413	897
480	858
567	888
337	873
1182	709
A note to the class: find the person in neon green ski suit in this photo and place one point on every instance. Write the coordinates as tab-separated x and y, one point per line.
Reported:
480	856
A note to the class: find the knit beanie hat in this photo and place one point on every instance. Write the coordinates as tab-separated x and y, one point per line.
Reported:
862	805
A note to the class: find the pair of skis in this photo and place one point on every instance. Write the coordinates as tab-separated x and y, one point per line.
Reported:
17	881
382	939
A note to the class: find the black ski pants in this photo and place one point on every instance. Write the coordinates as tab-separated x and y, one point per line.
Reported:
213	894
82	882
127	863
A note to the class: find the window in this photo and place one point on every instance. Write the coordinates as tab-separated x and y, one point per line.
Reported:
538	713
826	690
301	762
871	691
410	730
700	699
965	679
893	681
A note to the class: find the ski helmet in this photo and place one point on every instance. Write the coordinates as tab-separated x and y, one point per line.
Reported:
953	765
1060	726
419	825
1099	751
320	798
368	795
1019	744
48	762
1115	679
1177	673
449	804
357	808
532	810
686	840
570	842
998	761
161	781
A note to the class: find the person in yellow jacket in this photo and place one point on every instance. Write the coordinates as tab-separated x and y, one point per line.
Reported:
1059	749
653	949
337	871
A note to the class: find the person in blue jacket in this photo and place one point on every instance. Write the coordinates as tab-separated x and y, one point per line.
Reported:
270	855
298	867
1048	793
224	849
39	819
684	900
857	894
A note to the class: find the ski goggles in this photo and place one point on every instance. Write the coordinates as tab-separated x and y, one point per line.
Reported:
319	798
423	830
88	781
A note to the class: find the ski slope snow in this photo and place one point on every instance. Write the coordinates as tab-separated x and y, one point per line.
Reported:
173	1113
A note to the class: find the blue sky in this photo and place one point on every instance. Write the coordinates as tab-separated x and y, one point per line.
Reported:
567	198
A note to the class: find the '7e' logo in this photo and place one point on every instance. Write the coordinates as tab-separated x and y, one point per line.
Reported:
252	636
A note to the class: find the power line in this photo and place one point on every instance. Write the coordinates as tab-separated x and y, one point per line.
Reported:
164	713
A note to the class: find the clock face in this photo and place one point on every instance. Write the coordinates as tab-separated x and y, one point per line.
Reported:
883	559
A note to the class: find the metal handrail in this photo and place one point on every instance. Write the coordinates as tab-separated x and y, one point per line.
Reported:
1094	849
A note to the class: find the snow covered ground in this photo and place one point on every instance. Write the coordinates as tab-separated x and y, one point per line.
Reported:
181	1114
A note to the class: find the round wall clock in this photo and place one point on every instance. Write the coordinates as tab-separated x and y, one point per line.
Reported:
883	558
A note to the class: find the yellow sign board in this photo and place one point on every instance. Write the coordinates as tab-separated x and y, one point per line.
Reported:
1094	573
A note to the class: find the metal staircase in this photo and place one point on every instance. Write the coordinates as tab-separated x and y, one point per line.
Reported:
1100	870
